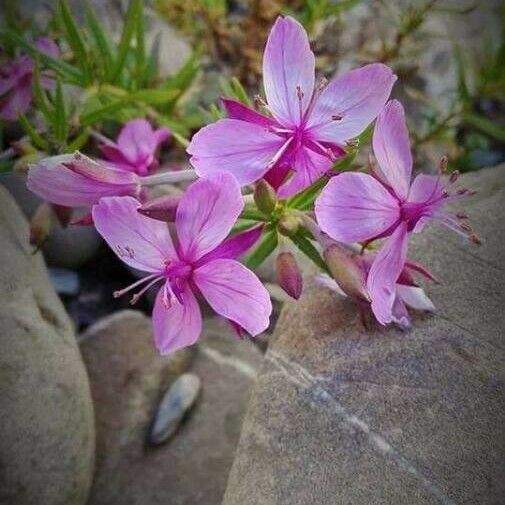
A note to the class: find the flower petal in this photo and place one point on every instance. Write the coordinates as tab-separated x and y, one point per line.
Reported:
400	315
47	46
17	101
353	207
236	293
391	146
206	214
241	148
426	188
56	183
288	65
237	110
139	241
234	246
357	97
385	270
308	166
177	326
415	297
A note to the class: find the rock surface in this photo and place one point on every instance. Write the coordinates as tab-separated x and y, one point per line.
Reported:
46	416
127	380
342	416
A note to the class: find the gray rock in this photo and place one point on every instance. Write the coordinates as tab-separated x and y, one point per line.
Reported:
340	415
68	247
174	406
65	282
127	380
46	415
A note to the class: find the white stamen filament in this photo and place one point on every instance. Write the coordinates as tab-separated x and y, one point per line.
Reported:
277	156
121	292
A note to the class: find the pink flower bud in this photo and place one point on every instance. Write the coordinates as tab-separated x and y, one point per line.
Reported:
162	208
347	271
289	276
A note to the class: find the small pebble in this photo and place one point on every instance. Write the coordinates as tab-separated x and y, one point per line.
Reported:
65	282
174	405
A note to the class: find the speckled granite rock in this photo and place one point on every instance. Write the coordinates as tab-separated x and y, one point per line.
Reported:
342	416
47	432
128	378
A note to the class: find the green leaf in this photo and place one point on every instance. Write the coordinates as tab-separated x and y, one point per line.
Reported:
74	39
100	39
239	92
158	96
463	91
305	199
40	96
243	225
307	248
130	23
60	115
265	248
104	112
486	126
140	50
35	137
79	142
250	212
70	73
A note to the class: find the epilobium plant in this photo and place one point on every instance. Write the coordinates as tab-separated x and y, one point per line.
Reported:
287	159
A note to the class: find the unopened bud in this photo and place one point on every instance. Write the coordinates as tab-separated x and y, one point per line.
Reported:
288	225
40	225
264	197
163	208
347	271
289	276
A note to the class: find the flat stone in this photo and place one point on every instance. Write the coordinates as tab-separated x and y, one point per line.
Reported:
174	406
340	415
128	379
46	416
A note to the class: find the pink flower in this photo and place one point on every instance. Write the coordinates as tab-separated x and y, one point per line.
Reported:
136	146
74	180
356	207
16	81
201	261
351	275
309	126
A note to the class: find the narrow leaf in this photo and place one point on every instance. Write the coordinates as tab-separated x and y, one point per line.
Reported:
265	248
307	248
35	137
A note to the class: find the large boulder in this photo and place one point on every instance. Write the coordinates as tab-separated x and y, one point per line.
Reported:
128	379
341	415
47	435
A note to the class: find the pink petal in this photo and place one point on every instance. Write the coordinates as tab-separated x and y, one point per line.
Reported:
288	66
415	297
391	146
357	96
241	148
234	246
139	241
236	293
56	183
178	326
385	270
426	188
237	110
206	214
354	207
48	46
17	101
308	167
400	315
113	153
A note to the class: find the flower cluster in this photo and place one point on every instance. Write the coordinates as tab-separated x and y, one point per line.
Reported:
288	151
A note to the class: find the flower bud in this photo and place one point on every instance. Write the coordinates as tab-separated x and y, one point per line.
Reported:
347	271
288	225
289	276
163	208
264	197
